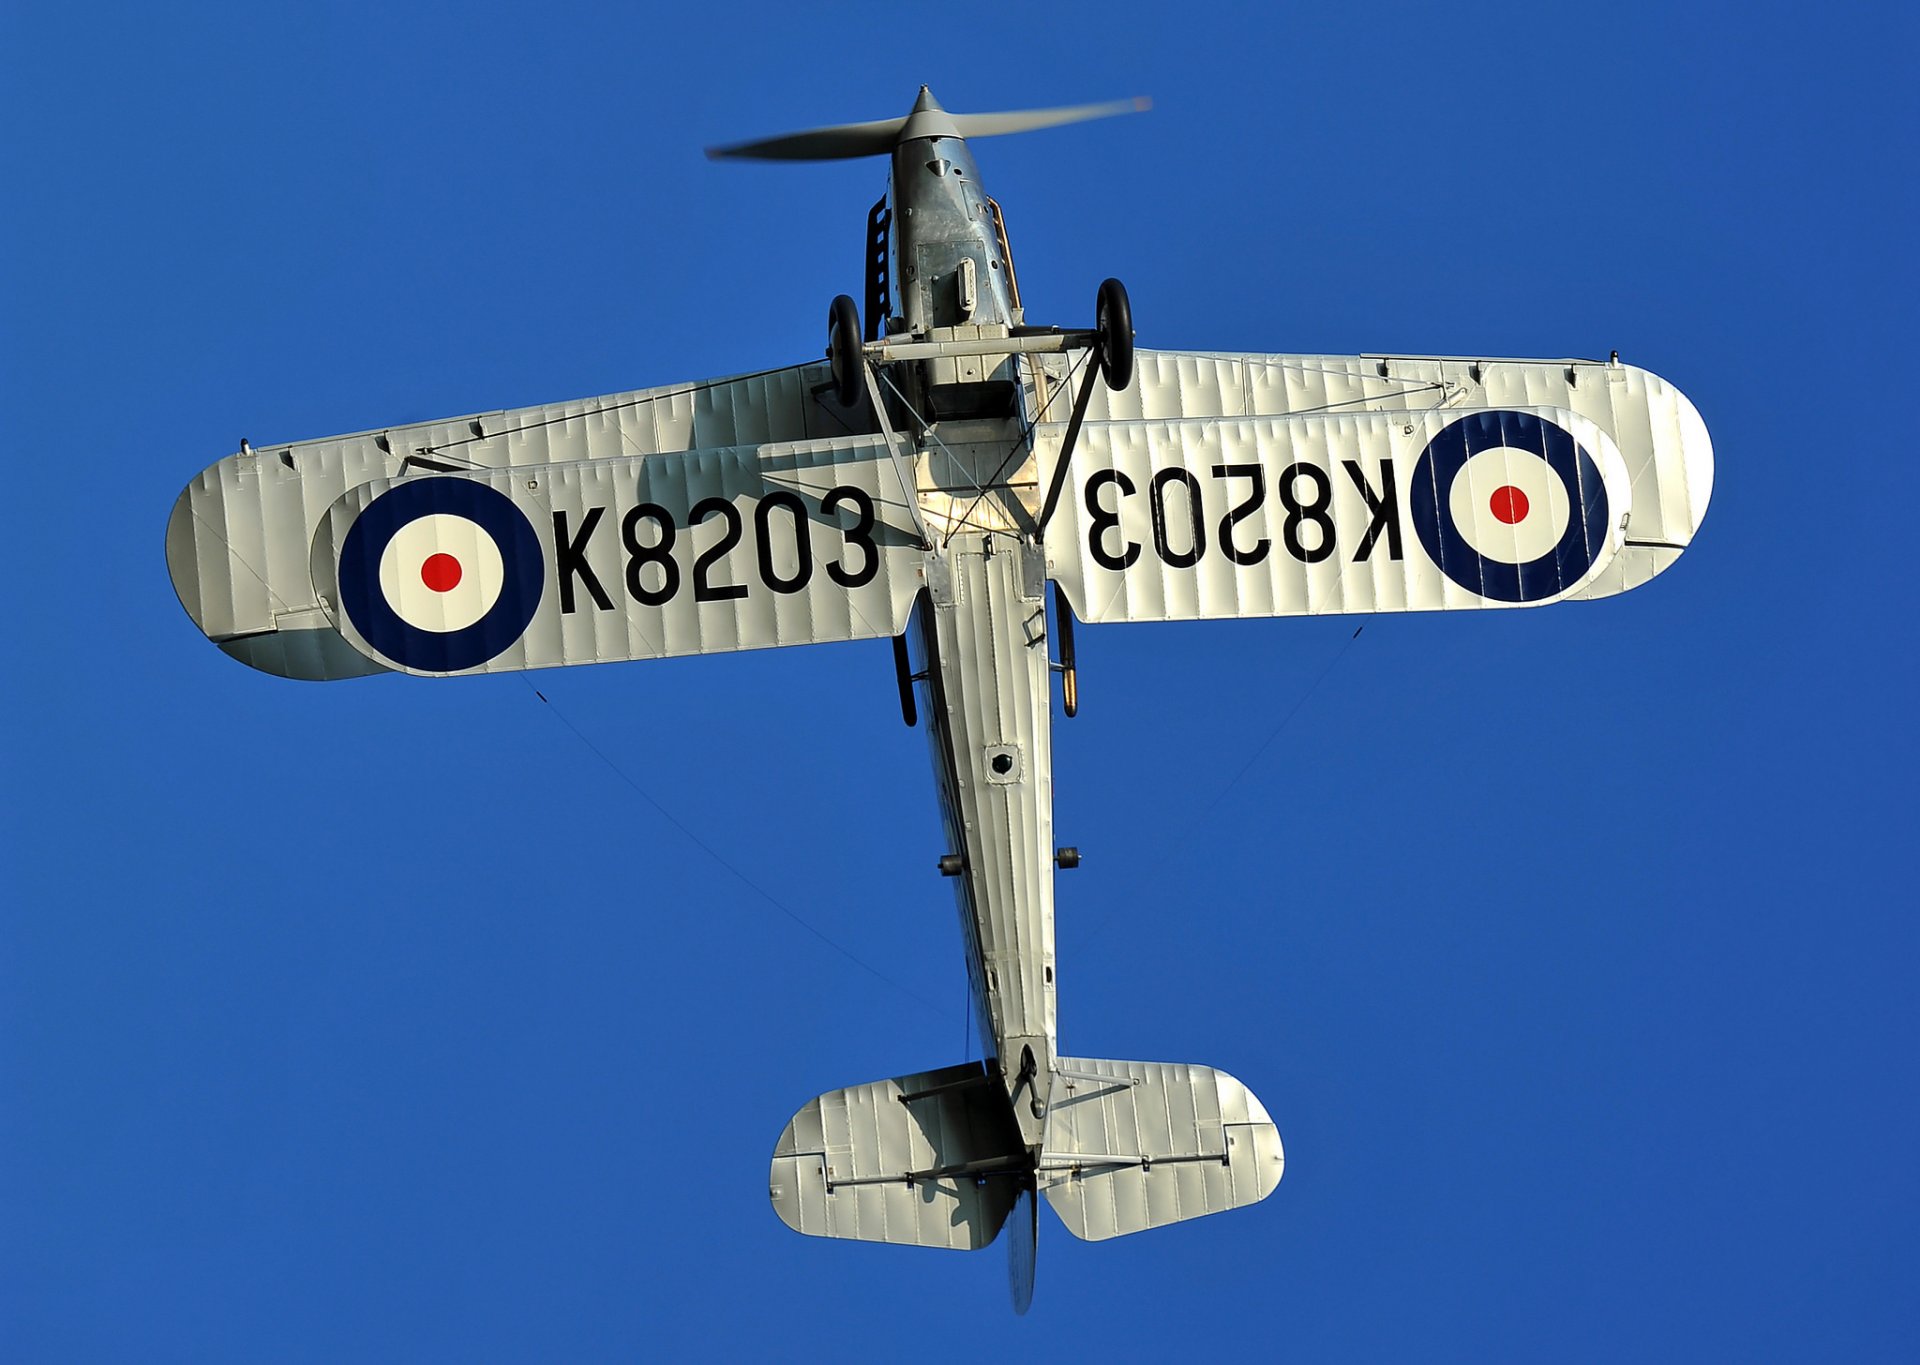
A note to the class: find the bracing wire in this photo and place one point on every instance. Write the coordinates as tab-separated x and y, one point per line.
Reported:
1274	734
720	858
653	396
1105	922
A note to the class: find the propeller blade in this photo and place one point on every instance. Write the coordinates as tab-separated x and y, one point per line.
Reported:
1026	120
841	140
832	143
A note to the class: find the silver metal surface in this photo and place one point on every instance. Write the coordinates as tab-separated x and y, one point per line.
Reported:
1048	343
990	729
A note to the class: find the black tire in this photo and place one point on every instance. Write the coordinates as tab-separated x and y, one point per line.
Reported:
1113	320
843	349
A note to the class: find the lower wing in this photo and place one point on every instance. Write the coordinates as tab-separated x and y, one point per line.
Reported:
732	514
1220	486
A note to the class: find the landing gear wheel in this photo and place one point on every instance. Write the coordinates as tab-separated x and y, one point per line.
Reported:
1113	321
843	348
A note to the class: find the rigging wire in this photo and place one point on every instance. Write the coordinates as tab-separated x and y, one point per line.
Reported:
651	396
1267	743
1180	839
721	859
241	560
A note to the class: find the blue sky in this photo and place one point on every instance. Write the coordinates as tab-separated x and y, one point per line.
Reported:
1572	950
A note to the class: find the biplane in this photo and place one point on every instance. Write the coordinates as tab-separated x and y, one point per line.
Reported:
944	468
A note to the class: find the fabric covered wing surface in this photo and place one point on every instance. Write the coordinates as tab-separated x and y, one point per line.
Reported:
1321	513
1391	406
239	536
692	553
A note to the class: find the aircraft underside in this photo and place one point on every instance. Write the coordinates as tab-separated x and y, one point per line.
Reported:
942	474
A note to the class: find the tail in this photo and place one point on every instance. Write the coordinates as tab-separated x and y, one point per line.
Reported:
935	1158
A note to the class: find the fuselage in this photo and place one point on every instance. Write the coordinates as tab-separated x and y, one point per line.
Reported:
982	625
943	224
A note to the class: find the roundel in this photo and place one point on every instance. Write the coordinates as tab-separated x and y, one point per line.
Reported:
441	575
1510	506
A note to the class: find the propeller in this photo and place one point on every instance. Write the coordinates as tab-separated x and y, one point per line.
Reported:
928	119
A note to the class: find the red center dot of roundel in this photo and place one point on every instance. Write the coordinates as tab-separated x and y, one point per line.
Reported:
441	573
1508	504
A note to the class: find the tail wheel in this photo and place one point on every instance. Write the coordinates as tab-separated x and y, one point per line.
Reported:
1069	673
843	348
903	675
1113	321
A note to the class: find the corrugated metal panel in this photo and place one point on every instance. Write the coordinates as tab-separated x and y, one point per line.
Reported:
1138	1145
1313	514
866	1162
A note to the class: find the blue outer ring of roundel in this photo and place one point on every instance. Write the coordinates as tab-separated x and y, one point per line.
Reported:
436	651
1537	579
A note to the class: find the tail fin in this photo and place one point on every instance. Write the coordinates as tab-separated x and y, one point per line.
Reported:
1137	1145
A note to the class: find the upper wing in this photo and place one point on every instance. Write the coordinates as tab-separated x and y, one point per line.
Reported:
1222	485
244	544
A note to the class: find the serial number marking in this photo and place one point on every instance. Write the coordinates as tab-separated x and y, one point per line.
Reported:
648	534
1176	498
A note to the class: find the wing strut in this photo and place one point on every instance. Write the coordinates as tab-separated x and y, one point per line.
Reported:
1113	356
850	362
1065	458
901	466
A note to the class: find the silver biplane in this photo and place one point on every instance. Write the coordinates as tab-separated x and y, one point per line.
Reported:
926	481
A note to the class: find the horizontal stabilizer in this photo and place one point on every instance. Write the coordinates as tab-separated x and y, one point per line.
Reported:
1137	1145
933	1160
